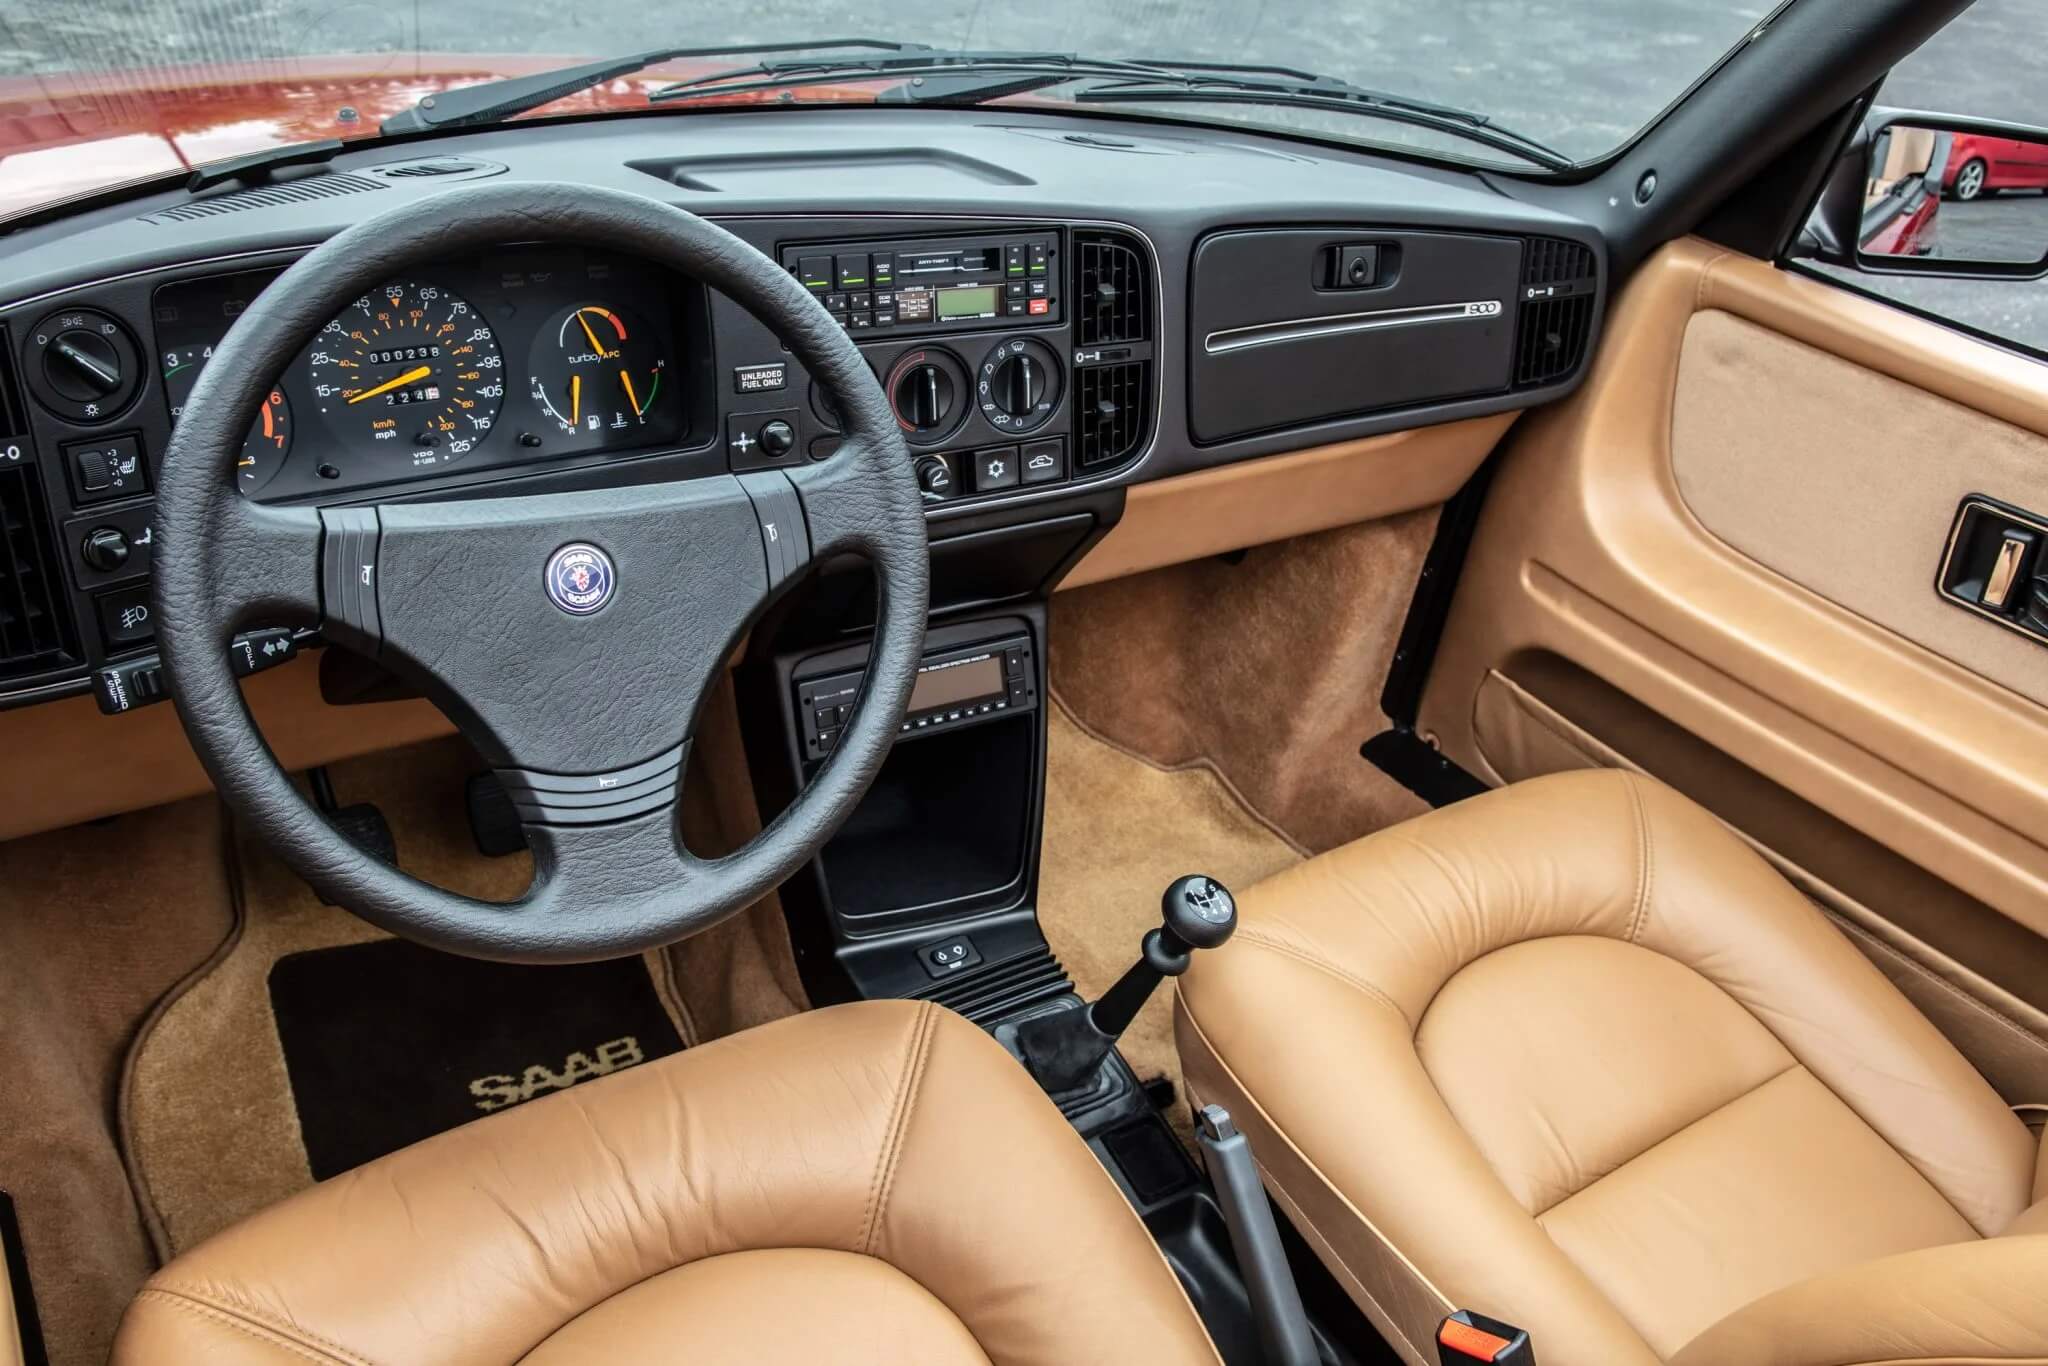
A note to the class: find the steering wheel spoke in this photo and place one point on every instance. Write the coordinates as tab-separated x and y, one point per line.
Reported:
266	567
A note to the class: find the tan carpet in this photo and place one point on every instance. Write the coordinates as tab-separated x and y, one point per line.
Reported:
1270	668
96	922
211	1127
1117	831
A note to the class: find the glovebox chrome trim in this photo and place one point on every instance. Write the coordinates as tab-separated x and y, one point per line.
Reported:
1341	324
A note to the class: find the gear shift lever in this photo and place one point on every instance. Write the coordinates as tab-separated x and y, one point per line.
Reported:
1064	1049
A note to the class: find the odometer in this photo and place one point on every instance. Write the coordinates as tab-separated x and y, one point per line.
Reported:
411	368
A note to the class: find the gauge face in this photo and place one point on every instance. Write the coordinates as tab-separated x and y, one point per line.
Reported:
597	368
270	436
409	368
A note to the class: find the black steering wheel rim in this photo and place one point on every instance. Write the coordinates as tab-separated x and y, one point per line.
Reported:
611	877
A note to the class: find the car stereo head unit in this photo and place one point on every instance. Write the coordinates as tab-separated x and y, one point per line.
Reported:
933	284
954	688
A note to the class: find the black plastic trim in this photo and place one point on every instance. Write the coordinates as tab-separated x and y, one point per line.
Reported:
1402	756
27	1321
1435	587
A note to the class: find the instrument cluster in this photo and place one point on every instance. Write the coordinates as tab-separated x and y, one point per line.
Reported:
530	354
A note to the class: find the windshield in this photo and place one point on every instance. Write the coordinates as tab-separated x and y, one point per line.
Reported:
102	91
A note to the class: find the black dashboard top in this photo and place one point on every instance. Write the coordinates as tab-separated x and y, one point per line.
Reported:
1055	305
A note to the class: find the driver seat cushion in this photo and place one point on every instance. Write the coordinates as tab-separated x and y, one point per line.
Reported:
1572	1055
872	1182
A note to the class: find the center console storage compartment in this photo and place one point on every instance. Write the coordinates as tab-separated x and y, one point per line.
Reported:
943	826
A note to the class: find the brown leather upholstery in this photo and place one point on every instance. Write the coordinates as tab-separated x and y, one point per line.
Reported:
875	1182
1572	1055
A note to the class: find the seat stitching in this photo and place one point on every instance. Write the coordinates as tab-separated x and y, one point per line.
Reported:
256	1324
899	1121
1247	934
1645	859
1794	1065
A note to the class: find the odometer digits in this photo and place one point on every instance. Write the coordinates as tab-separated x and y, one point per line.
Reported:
411	367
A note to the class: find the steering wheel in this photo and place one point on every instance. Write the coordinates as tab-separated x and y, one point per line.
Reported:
570	636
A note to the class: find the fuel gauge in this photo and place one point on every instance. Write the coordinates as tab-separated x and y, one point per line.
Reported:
597	370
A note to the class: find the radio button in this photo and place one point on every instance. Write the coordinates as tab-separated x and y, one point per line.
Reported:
836	303
1040	288
1015	289
853	271
1040	258
860	319
884	268
1013	259
815	272
861	299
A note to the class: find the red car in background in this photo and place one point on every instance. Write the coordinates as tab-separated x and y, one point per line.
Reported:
1979	164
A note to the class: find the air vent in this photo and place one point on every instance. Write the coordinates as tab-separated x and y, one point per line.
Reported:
437	168
1559	279
287	192
1109	412
1111	290
35	628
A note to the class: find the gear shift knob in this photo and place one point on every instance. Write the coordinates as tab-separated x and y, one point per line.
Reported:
1065	1049
1198	911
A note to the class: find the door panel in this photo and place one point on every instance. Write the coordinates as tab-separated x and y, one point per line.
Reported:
1647	538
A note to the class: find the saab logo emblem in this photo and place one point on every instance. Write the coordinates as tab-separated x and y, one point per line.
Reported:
580	579
499	1090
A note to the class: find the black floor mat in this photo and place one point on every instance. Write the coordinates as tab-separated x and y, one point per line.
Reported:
388	1043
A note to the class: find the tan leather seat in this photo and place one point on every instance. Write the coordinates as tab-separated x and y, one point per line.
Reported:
868	1183
1572	1055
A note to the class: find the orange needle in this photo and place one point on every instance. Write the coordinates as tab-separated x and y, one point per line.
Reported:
631	398
595	345
575	399
417	372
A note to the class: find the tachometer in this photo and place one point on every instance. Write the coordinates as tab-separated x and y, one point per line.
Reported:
597	368
409	366
270	436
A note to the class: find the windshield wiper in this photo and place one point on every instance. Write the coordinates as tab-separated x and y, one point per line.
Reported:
1222	83
930	76
492	101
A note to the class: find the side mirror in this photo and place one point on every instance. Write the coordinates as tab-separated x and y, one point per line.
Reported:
1929	194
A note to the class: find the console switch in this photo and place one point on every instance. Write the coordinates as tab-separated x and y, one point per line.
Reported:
995	468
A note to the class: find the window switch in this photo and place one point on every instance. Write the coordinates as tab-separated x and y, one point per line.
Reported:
949	956
2007	568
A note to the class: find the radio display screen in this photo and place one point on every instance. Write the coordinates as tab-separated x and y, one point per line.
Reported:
943	687
976	302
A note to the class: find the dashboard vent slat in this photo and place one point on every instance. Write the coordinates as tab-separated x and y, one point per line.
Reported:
35	626
1113	300
1109	412
1559	280
264	196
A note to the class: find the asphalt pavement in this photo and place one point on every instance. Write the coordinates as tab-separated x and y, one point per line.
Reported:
1577	75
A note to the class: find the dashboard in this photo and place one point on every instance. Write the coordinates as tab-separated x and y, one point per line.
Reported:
1055	315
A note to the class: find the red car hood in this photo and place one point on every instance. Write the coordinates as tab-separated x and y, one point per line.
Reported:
68	133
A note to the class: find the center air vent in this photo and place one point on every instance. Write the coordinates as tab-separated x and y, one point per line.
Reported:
1556	320
35	626
1112	295
1112	291
300	191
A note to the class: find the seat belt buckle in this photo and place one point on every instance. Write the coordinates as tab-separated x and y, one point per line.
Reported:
1465	1337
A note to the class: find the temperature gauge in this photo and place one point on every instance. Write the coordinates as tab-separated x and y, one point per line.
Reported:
270	436
597	369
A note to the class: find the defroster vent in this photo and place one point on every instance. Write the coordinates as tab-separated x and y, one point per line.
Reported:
1559	280
35	625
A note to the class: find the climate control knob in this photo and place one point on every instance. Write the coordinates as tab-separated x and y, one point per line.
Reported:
1018	386
925	387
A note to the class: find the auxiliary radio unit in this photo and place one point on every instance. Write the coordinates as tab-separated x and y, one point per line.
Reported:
936	284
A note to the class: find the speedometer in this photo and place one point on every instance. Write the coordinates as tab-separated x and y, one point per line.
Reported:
409	368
